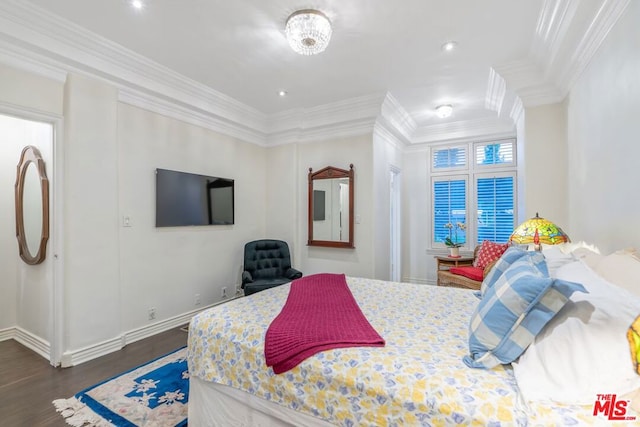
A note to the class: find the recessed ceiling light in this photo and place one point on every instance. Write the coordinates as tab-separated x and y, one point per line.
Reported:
444	111
282	93
449	46
137	4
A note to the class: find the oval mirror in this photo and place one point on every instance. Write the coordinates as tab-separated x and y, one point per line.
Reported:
32	206
331	207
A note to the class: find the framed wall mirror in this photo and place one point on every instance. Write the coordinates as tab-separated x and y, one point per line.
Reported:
32	206
331	207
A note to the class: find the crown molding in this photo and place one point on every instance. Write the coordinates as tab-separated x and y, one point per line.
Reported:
516	109
389	137
546	76
25	60
496	91
527	80
322	133
189	114
461	130
587	46
398	118
344	111
552	27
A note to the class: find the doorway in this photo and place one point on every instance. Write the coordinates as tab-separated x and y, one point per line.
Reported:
33	312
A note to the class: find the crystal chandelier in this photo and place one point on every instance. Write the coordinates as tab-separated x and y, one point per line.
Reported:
308	31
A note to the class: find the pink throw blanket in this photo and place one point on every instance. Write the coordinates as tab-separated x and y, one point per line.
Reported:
320	314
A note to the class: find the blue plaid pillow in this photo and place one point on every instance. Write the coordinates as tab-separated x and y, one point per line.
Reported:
511	255
513	311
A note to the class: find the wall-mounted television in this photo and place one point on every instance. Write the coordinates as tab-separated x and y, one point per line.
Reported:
184	199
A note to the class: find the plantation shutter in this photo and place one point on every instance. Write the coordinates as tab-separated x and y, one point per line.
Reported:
496	205
449	206
449	157
500	153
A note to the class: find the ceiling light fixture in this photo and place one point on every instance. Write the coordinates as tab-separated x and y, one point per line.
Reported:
444	111
308	31
282	93
137	4
449	46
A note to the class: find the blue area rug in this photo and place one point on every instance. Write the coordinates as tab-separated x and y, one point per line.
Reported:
154	394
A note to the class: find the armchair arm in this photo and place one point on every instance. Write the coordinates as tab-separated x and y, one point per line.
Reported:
292	274
246	278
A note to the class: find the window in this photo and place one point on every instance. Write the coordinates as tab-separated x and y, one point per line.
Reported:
450	157
450	207
480	194
500	153
494	198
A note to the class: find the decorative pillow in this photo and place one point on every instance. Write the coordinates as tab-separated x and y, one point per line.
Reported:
489	252
583	351
512	312
473	273
510	256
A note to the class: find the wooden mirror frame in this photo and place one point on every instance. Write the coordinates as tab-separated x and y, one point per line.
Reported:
331	172
30	154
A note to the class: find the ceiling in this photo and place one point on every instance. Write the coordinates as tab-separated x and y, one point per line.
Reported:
507	51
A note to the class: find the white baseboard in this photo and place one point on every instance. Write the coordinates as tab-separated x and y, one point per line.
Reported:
418	281
27	339
7	334
75	357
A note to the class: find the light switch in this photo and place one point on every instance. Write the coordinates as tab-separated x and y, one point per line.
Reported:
126	221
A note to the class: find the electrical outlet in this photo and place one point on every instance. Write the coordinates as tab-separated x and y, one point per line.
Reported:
152	313
196	299
224	292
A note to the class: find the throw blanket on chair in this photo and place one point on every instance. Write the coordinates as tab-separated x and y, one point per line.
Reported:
320	314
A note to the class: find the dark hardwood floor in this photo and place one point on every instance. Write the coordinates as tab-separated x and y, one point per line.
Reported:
28	383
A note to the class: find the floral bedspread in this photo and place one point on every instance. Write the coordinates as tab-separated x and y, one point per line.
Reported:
418	378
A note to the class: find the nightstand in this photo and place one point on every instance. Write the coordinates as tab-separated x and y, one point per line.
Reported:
446	262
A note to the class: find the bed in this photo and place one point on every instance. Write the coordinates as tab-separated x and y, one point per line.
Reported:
417	378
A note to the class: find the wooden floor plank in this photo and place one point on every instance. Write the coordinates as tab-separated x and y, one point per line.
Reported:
28	383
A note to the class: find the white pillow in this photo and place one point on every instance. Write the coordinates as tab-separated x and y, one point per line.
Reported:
621	268
583	350
556	258
570	247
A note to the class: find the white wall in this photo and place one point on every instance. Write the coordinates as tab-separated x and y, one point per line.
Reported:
416	263
165	268
545	165
387	154
283	172
9	155
603	148
92	292
339	153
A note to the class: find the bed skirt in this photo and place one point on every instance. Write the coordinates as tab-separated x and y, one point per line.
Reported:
212	405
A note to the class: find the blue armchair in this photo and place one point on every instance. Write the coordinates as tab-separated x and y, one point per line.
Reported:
267	264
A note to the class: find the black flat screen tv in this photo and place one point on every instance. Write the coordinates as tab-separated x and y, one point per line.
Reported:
185	199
